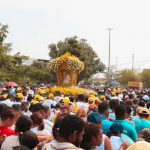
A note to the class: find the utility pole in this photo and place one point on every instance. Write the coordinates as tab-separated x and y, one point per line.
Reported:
109	29
133	62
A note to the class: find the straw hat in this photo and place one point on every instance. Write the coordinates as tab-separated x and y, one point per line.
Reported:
140	145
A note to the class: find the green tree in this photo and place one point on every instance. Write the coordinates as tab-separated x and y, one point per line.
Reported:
10	65
127	75
5	48
81	49
145	77
39	71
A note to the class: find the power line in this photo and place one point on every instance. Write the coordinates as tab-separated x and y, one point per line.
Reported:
135	62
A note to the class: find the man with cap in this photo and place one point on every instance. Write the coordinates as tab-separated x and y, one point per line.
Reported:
141	122
95	118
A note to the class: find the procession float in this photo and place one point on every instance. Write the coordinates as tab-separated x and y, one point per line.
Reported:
67	68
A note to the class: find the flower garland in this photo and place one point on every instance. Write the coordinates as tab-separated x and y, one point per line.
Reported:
72	91
73	63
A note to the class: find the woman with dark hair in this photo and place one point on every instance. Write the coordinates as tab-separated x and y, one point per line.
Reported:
29	139
38	124
56	127
23	124
68	134
92	137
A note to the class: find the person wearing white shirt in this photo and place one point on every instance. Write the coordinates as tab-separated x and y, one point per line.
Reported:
81	102
40	132
9	101
22	125
38	126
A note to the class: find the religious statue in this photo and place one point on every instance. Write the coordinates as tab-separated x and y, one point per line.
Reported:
67	68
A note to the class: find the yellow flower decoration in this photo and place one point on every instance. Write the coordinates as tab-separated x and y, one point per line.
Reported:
73	63
72	91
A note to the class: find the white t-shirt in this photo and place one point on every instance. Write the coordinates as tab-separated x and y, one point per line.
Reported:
57	98
116	142
83	105
28	113
42	132
8	102
10	142
49	102
49	123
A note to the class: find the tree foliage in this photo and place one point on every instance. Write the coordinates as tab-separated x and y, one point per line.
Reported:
145	77
13	67
127	75
81	49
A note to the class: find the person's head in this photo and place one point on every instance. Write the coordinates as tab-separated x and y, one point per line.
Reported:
81	97
91	99
23	124
29	139
129	103
24	93
103	109
92	136
129	110
143	112
148	105
94	118
11	97
120	112
58	93
37	119
145	134
46	112
140	145
19	97
131	96
72	129
113	104
36	107
24	106
64	110
55	129
50	96
8	117
115	129
141	104
17	107
29	98
3	107
135	101
82	113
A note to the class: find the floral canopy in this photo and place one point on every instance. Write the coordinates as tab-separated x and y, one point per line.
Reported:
72	62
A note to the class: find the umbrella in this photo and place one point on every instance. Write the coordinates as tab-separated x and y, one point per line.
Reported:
11	84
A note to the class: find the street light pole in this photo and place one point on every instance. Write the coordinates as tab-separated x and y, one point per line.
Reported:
109	29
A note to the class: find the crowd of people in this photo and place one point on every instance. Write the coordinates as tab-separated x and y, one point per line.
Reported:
113	119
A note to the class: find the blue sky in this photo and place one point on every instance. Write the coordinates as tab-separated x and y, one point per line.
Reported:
33	24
